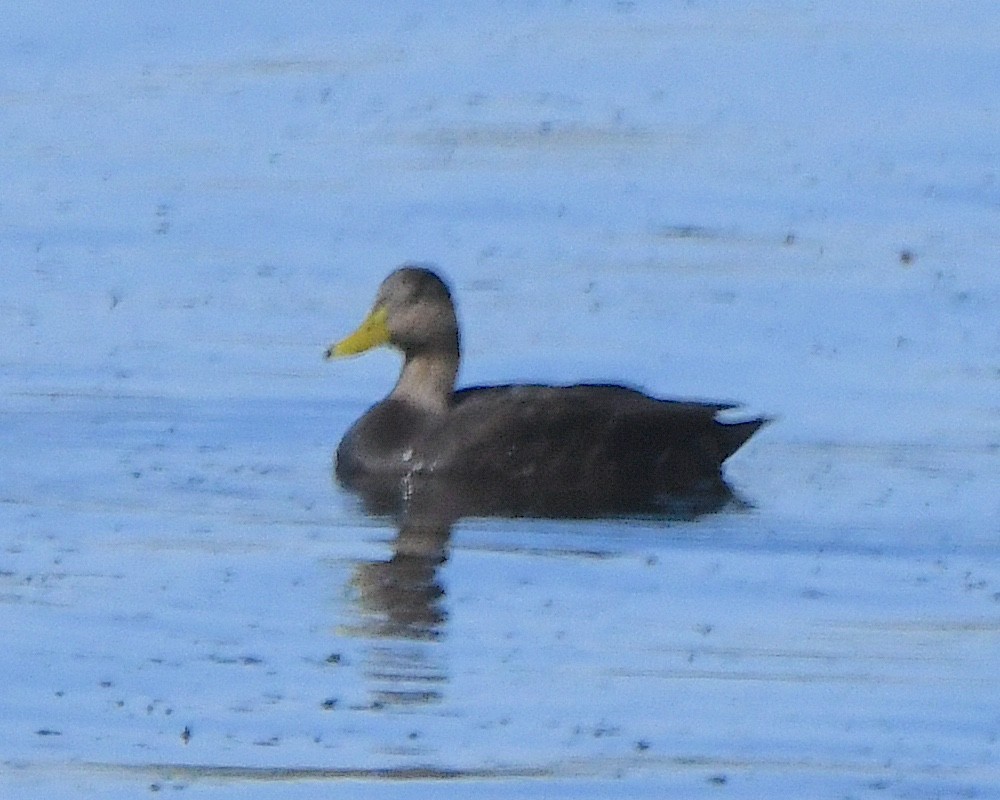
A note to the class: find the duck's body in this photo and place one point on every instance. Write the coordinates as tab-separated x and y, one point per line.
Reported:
522	449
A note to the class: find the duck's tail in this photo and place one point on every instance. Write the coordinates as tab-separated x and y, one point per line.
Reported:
733	435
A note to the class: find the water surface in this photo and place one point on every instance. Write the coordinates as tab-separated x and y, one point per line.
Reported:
789	207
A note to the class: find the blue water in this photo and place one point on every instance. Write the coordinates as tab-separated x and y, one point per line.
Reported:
792	208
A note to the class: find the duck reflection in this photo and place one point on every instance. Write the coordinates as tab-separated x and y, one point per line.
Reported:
403	597
400	605
401	600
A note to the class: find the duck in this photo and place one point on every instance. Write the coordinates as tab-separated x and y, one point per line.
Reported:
579	450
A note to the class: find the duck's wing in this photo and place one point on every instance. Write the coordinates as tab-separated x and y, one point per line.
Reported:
596	437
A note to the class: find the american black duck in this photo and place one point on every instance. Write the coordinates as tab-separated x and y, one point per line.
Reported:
579	450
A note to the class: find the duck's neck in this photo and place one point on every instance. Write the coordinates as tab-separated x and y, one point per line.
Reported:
427	380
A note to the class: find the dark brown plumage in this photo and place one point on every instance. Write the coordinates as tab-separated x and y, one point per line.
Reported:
517	449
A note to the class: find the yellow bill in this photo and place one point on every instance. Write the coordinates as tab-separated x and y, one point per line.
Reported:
373	332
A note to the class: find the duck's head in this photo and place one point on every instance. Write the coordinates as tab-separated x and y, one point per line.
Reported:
413	312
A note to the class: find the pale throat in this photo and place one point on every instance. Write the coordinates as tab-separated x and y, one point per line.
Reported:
427	381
